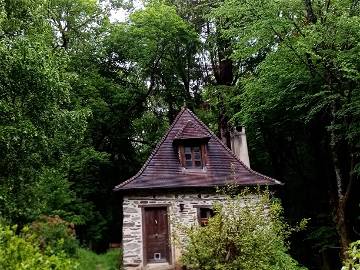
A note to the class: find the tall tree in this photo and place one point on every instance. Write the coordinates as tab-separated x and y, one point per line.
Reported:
38	128
311	66
161	47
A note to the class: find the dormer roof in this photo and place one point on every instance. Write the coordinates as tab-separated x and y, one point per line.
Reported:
163	169
191	131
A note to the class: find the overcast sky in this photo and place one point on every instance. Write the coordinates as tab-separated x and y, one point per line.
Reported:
120	15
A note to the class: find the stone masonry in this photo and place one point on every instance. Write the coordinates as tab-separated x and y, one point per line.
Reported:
132	219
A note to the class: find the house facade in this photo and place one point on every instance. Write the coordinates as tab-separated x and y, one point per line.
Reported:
178	182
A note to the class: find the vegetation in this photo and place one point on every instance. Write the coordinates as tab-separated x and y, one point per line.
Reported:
55	233
353	262
23	252
247	232
84	99
91	261
319	85
50	244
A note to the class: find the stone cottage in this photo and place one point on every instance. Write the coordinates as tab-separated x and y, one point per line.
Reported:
180	178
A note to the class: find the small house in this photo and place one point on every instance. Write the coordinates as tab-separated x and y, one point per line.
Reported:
180	177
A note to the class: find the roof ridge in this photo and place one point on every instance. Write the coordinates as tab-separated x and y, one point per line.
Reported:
231	152
153	153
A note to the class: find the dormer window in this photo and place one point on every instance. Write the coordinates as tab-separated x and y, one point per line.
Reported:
193	157
191	143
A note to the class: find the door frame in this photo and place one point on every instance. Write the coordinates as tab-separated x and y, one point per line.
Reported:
143	207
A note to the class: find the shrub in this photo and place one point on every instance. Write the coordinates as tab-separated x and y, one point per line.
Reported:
247	232
54	232
353	262
20	252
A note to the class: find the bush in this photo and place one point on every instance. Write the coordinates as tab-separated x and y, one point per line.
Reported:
54	232
247	232
353	262
20	252
89	260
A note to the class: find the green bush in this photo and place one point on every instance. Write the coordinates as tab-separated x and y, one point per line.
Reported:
247	233
89	260
353	262
54	232
22	252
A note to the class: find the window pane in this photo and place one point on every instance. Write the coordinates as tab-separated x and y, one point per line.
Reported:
192	156
204	215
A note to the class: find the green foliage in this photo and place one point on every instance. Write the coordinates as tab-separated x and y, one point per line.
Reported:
76	24
37	130
353	262
300	99
45	136
111	260
160	47
56	234
247	232
23	252
305	63
155	125
322	237
84	101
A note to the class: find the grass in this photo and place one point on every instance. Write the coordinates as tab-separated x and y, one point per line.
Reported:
89	260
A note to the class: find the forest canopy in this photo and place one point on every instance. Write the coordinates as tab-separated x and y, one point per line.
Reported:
85	98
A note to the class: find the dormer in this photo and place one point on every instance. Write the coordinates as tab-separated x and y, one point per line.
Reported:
191	144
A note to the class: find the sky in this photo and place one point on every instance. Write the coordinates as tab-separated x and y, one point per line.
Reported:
121	15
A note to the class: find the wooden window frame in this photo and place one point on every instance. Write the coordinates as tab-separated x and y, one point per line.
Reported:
204	221
203	156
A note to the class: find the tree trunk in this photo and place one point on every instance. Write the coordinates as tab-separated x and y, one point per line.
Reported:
342	198
310	15
341	226
224	131
224	77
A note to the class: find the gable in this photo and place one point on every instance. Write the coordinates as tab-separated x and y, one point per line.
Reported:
191	130
164	170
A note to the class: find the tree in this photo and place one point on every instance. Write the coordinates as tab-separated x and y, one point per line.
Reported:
37	126
161	47
310	72
75	22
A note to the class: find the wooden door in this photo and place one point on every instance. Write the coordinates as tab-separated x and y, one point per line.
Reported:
156	235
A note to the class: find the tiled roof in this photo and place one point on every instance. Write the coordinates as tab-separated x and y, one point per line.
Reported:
163	168
191	131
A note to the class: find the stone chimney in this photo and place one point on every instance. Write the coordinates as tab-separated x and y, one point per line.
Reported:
238	145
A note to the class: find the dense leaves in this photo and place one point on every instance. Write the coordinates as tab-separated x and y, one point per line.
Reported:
353	262
247	232
304	93
23	252
83	101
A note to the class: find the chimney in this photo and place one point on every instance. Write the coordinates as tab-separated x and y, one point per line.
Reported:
239	144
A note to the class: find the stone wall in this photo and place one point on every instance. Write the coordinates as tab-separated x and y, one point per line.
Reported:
132	227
